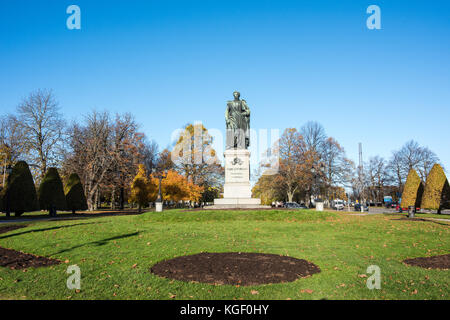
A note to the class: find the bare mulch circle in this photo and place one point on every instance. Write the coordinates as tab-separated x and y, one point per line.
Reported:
18	260
434	262
7	229
235	268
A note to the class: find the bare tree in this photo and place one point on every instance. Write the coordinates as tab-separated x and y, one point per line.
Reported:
427	159
149	151
411	156
314	135
105	153
90	155
296	162
377	174
11	139
42	125
126	147
338	168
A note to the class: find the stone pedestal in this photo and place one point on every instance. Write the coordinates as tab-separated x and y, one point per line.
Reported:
319	206
237	191
158	206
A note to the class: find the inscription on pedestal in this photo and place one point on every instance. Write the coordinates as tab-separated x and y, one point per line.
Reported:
237	170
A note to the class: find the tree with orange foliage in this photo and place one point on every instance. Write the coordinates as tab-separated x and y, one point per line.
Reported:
194	157
295	163
176	187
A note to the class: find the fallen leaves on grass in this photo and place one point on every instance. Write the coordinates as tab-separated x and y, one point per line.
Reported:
307	291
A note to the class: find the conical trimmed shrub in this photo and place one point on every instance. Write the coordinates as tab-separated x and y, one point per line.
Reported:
51	192
437	191
413	191
20	191
75	198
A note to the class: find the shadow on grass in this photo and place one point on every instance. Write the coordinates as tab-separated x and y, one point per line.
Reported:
420	220
70	215
47	229
98	242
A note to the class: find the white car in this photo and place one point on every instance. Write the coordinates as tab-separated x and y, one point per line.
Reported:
338	205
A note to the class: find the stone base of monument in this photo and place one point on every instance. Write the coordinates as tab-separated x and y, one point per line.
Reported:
237	203
237	191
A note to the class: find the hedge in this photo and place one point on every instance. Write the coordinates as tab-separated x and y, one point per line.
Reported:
75	198
437	191
20	190
413	191
51	192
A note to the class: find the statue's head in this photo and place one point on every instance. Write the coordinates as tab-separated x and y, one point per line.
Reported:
236	94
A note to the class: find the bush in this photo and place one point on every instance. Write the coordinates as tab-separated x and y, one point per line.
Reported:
413	191
437	191
75	198
20	190
51	192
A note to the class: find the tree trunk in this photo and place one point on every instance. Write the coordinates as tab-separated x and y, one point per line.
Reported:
290	196
113	198
96	200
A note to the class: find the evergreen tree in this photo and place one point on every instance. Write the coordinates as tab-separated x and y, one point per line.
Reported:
75	198
20	194
413	190
51	192
437	191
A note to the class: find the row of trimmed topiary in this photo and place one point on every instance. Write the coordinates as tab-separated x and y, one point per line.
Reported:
435	195
19	194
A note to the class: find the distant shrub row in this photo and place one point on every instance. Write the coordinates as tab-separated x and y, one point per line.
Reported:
21	196
435	195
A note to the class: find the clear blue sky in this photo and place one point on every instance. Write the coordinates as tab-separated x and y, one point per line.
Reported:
172	62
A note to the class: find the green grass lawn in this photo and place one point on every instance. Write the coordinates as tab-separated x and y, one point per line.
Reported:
115	254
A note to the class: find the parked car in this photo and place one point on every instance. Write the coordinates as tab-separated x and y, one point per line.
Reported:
337	204
294	205
358	207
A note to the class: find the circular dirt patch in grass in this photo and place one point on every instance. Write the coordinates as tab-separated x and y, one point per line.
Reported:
6	229
434	262
235	268
18	260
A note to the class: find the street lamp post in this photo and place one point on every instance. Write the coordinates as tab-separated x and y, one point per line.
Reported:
159	202
316	170
8	171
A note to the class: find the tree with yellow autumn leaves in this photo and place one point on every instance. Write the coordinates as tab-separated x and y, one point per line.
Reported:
141	188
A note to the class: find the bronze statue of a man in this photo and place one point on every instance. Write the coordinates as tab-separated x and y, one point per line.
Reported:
237	119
